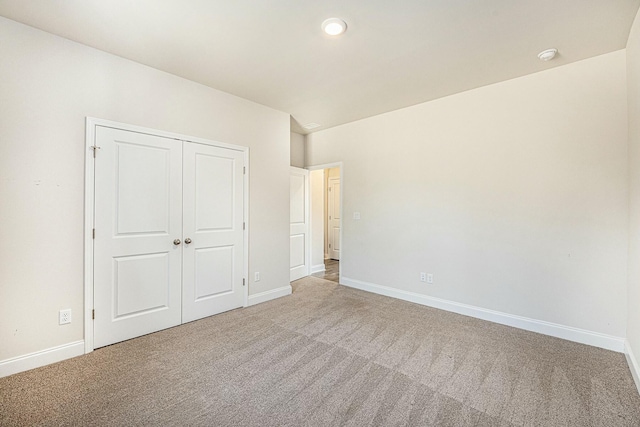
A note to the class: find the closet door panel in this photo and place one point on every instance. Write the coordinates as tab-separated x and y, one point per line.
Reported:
138	214
213	230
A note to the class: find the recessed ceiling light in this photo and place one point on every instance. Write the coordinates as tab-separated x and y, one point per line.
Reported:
334	26
547	55
310	126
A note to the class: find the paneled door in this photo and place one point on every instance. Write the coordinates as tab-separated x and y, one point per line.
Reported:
138	224
299	257
169	233
213	230
334	218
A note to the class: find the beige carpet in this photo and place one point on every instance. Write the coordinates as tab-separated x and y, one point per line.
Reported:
330	355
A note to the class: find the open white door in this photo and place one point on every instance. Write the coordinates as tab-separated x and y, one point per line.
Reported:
138	215
334	218
213	231
299	256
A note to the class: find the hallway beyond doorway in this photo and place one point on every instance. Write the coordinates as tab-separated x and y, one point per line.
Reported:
331	271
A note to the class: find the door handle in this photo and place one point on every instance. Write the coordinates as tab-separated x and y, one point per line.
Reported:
176	242
187	241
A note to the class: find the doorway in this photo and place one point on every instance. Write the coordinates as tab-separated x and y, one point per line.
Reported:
326	221
332	216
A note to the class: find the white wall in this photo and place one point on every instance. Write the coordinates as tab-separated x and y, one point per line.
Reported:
633	87
514	196
48	85
297	149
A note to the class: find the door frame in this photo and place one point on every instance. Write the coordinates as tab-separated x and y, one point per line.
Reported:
89	202
342	187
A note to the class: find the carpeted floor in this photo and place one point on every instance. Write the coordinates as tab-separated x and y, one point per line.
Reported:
330	355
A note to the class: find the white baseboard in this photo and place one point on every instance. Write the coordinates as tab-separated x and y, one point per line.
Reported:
317	268
582	336
41	358
634	364
269	295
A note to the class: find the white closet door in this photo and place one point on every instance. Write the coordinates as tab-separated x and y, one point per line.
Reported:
213	224
299	257
138	214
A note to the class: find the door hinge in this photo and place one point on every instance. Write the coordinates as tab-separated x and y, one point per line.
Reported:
329	188
244	170
243	282
94	233
244	225
329	245
93	314
95	148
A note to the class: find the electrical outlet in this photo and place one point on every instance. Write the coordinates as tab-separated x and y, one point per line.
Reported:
65	316
429	278
423	277
256	277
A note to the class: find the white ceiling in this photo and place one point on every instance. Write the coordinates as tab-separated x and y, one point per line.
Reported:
394	53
